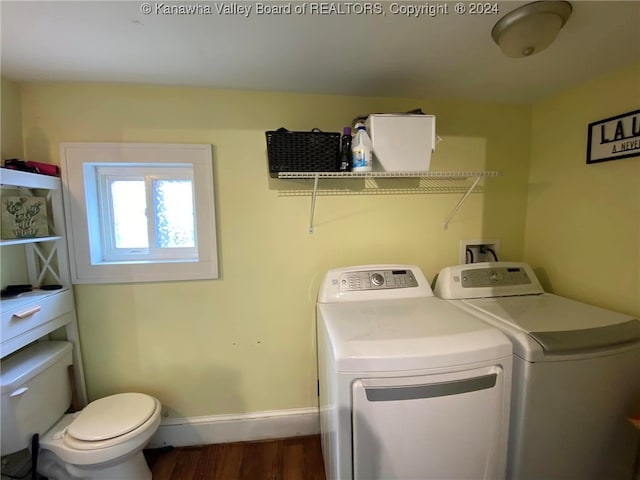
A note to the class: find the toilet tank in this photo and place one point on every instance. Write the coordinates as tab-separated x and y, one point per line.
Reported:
36	392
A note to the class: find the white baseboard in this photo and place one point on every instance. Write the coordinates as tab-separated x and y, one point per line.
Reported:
180	432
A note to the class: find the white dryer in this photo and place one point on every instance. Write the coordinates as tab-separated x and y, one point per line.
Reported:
576	373
410	386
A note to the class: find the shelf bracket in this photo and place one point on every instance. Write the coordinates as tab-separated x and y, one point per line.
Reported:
461	202
313	202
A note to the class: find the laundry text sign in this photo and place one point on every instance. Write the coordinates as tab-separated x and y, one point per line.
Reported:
614	138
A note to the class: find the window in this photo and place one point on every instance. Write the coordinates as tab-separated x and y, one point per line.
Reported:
140	212
144	213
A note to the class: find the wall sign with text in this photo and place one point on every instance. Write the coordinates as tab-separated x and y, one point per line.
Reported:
614	138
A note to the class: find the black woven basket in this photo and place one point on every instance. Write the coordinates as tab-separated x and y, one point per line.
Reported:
303	151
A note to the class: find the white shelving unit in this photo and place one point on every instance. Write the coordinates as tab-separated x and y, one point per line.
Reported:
40	313
430	182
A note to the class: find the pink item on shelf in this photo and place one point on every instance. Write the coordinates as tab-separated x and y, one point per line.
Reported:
45	168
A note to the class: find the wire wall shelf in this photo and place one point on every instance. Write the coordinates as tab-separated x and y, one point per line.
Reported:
426	175
384	183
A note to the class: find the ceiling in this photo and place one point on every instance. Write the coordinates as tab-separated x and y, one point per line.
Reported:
442	56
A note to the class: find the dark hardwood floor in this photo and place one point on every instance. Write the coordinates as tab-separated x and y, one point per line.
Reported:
297	458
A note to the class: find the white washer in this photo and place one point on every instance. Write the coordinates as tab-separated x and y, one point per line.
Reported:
410	386
576	373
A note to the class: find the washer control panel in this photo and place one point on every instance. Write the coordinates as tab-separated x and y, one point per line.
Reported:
486	280
376	280
494	276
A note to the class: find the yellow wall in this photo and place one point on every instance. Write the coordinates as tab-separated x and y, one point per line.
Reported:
10	120
583	221
13	269
246	342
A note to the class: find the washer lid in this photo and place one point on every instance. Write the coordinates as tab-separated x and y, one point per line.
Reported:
589	338
112	416
558	324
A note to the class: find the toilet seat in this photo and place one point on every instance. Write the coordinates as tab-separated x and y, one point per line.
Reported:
90	454
110	420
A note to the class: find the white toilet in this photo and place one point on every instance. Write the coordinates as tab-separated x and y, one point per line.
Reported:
103	441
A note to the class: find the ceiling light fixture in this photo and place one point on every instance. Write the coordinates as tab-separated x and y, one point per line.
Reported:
531	28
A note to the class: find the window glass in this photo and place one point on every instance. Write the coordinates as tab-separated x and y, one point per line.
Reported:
129	203
173	208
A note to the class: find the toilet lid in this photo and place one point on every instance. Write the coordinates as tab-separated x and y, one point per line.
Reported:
112	416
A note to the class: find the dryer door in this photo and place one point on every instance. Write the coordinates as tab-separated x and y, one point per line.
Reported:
450	426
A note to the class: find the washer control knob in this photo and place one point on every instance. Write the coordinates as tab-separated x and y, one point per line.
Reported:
377	279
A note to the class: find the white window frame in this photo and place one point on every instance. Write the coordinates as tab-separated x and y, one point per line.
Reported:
81	163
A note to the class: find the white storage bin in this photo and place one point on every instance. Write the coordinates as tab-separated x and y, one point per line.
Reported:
402	142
